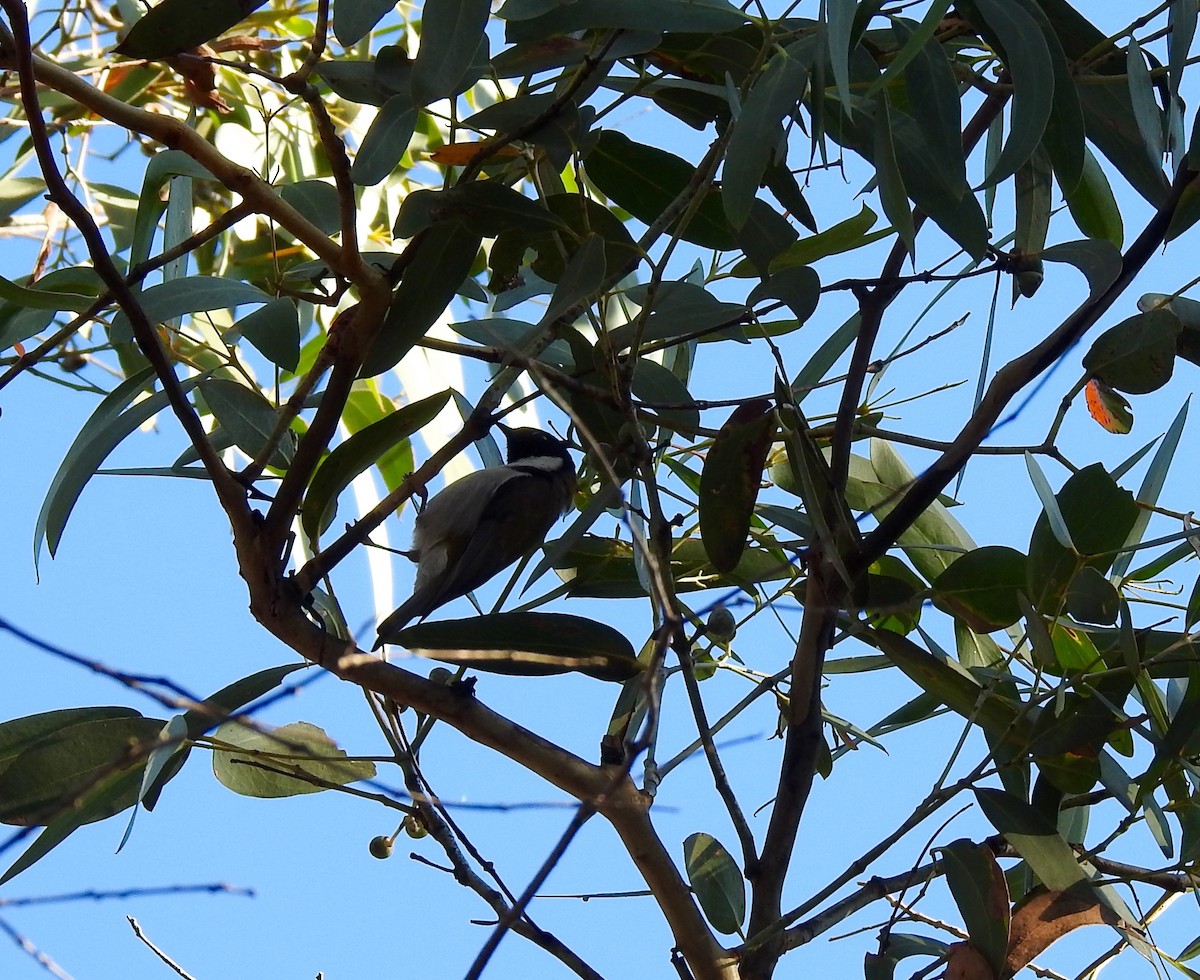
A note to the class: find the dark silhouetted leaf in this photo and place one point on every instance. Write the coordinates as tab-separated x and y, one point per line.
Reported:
357	453
177	25
981	893
981	588
644	180
442	261
717	882
1138	354
247	417
451	33
1033	837
274	331
730	481
758	132
524	643
385	142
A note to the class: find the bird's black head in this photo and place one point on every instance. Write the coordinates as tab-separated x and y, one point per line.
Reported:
526	443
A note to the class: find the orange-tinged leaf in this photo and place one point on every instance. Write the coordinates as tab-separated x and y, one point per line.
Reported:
460	154
1108	407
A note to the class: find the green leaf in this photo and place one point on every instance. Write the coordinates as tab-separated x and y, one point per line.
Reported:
247	417
193	294
602	567
981	893
730	481
524	643
41	296
1027	57
113	793
1099	261
914	40
16	192
442	261
385	142
108	425
50	775
845	236
1152	484
531	21
580	280
680	310
274	331
644	180
799	288
161	168
1045	492
273	764
175	26
981	588
356	18
18	734
1136	356
654	385
486	207
1182	21
1098	516
451	33
1033	837
361	450
758	132
997	715
936	538
1033	192
892	193
1064	136
1092	598
718	884
1141	96
316	200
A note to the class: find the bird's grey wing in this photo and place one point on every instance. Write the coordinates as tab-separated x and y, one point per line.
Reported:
503	534
464	503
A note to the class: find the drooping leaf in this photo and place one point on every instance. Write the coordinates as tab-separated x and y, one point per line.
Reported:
981	588
1027	57
177	25
385	142
247	417
1033	837
758	132
451	33
981	894
644	180
1108	407
51	774
108	425
716	881
1138	354
360	451
524	643
273	764
730	480
442	261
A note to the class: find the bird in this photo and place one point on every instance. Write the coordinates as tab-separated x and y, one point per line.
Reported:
481	524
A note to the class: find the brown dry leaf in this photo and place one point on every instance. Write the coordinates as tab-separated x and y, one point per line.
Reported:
965	962
1046	918
199	78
